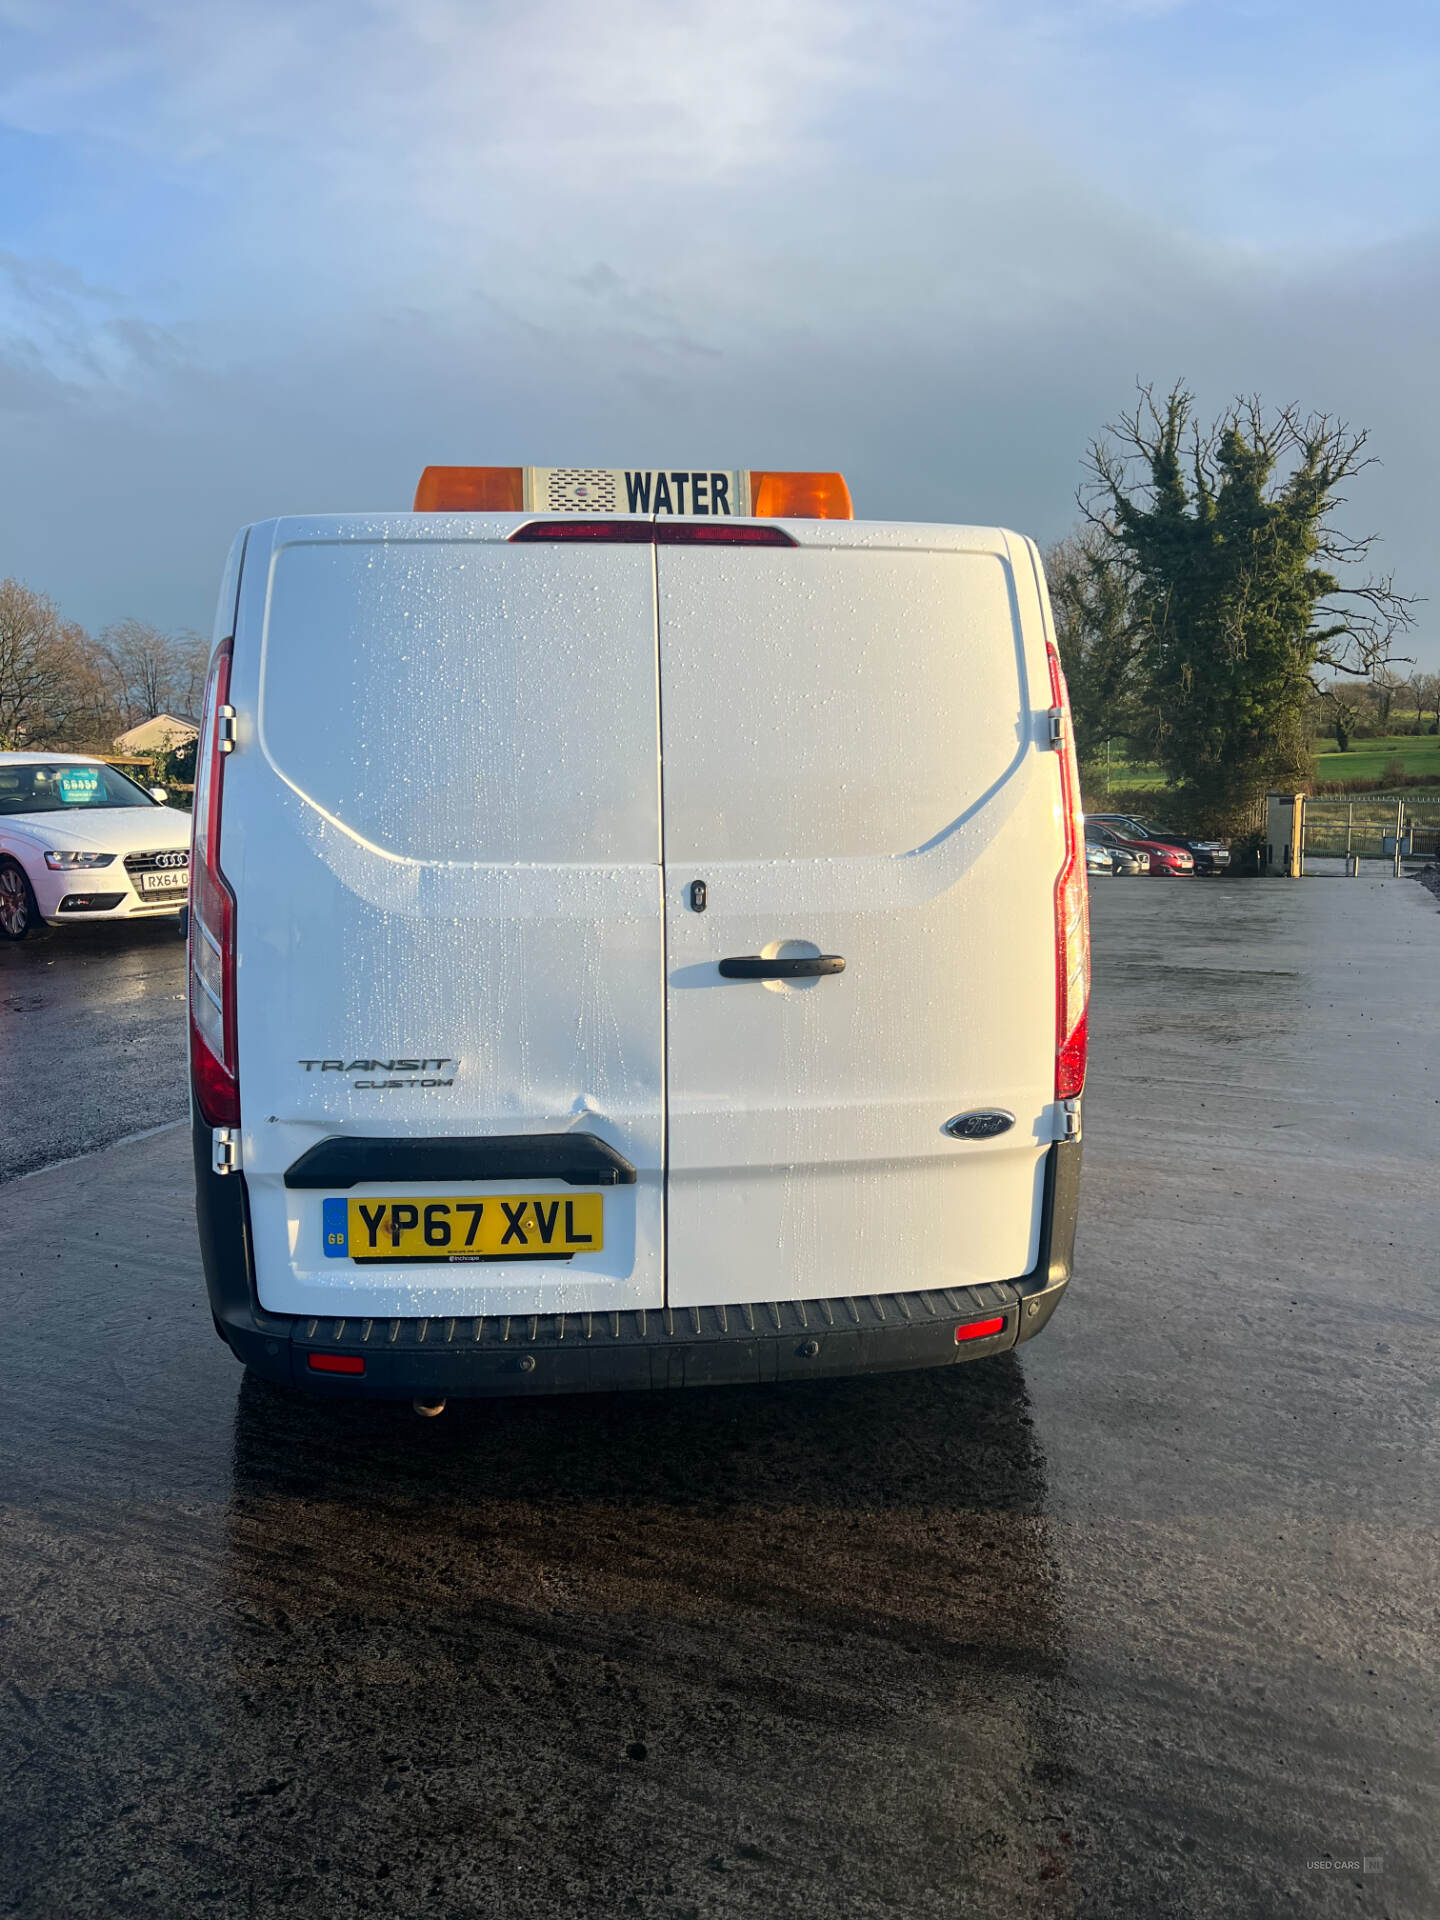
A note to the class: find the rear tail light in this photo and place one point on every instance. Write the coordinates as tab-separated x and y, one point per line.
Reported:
212	920
1072	908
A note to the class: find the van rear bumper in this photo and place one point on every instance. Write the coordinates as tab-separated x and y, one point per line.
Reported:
618	1352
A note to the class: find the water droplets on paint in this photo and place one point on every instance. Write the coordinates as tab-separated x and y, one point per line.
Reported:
481	813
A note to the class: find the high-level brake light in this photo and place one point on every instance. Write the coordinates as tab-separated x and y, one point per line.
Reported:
212	915
701	494
635	533
1072	906
664	533
709	533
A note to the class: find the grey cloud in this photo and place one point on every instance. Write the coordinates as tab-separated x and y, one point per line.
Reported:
957	416
906	273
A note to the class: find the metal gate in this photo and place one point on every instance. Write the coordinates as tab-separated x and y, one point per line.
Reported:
1324	835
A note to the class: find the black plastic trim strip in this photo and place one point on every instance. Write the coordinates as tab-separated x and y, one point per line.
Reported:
579	1159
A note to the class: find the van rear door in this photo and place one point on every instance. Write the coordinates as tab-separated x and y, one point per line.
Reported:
443	834
853	766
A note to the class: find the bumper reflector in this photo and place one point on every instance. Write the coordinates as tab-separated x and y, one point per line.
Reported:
972	1330
342	1362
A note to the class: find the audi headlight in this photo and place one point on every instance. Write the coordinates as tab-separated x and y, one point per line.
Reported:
67	862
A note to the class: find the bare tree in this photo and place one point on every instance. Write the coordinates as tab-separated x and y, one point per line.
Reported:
1386	683
53	682
1423	690
191	657
1346	706
154	672
1100	642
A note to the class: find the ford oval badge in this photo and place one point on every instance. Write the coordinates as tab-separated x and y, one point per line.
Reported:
984	1124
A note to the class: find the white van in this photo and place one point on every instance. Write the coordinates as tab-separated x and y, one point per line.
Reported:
633	948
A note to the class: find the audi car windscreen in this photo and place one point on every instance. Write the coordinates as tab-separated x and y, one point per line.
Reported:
67	789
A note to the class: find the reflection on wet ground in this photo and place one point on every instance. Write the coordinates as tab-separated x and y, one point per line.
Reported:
92	1039
712	1654
1138	1622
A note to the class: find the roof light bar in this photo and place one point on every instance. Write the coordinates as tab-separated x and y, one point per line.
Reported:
700	494
800	496
471	490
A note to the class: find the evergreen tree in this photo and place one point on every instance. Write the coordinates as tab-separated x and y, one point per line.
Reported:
1227	545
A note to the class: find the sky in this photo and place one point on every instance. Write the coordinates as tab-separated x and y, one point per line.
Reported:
272	256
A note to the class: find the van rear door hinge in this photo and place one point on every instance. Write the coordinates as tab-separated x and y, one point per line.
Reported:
224	1149
225	729
1056	719
1070	1118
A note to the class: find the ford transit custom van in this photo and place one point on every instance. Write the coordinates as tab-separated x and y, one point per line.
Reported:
638	938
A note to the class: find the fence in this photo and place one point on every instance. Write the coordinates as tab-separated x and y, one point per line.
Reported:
1394	826
1368	825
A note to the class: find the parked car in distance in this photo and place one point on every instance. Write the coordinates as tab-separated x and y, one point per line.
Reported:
1098	858
1164	857
79	840
1129	861
1210	856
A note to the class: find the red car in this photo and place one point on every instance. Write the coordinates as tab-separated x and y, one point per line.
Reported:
1164	856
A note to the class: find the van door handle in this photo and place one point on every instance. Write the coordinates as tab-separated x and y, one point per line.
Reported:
804	966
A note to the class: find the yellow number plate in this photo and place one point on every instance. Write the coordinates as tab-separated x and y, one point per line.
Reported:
508	1226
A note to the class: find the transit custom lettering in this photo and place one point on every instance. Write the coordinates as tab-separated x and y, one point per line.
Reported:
375	1066
652	492
430	1072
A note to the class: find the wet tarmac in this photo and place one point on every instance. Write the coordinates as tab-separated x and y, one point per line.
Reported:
92	1039
1140	1623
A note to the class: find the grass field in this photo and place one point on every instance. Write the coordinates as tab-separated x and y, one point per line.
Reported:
1366	760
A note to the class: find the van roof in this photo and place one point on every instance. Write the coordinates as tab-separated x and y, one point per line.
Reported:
918	535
